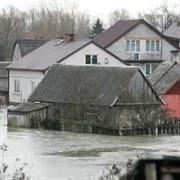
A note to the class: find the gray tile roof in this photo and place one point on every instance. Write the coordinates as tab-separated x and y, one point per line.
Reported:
51	52
173	31
165	76
98	85
28	45
26	107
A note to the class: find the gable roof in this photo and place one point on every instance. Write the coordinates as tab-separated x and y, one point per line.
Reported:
54	51
121	28
165	76
93	85
173	31
28	45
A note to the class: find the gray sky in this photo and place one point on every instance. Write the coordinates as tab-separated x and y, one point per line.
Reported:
96	8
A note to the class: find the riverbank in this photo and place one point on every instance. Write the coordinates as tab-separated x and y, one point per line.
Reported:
80	156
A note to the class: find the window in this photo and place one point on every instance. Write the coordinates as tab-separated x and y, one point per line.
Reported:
91	59
32	86
148	69
94	59
147	45
127	45
17	86
136	56
157	46
152	45
133	45
88	59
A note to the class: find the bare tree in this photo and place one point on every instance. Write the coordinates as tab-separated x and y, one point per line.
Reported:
118	14
161	17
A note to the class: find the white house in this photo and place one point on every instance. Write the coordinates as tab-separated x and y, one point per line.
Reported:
139	43
26	73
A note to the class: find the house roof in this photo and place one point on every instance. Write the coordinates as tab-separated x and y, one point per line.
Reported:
54	51
93	85
121	28
165	76
28	45
173	31
26	107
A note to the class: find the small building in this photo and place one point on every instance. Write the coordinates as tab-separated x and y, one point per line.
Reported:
25	74
139	43
4	83
97	99
166	80
28	115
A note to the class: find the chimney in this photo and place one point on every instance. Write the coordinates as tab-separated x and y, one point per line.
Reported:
68	37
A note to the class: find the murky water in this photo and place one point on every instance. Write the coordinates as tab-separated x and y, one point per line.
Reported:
54	155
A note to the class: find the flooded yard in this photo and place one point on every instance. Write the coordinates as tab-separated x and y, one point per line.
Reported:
54	155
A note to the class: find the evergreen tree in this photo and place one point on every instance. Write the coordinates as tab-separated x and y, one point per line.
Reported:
96	28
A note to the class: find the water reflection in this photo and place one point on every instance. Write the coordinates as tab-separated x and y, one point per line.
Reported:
61	155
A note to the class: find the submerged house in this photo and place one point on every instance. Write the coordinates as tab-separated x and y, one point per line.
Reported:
166	80
140	44
96	99
26	73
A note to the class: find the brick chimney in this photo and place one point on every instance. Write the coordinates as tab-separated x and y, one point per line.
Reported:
68	37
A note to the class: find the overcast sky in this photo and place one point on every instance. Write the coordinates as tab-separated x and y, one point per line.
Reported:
96	8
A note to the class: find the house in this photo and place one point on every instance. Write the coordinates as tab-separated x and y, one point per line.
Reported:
173	31
25	46
166	80
3	83
96	99
139	44
25	74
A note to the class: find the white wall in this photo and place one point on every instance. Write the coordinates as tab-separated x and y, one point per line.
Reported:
79	57
25	77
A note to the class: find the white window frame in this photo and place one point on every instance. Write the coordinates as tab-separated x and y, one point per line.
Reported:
17	86
129	47
149	49
150	69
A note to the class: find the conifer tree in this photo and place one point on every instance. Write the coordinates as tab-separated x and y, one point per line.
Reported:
96	28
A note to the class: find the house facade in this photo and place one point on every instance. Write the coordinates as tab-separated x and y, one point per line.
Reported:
138	43
25	74
96	99
166	80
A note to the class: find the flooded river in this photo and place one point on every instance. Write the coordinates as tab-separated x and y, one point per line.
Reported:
54	155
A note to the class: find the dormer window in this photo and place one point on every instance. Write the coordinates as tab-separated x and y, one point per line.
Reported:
91	59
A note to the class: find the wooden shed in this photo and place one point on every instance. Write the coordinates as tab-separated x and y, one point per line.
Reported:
97	99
